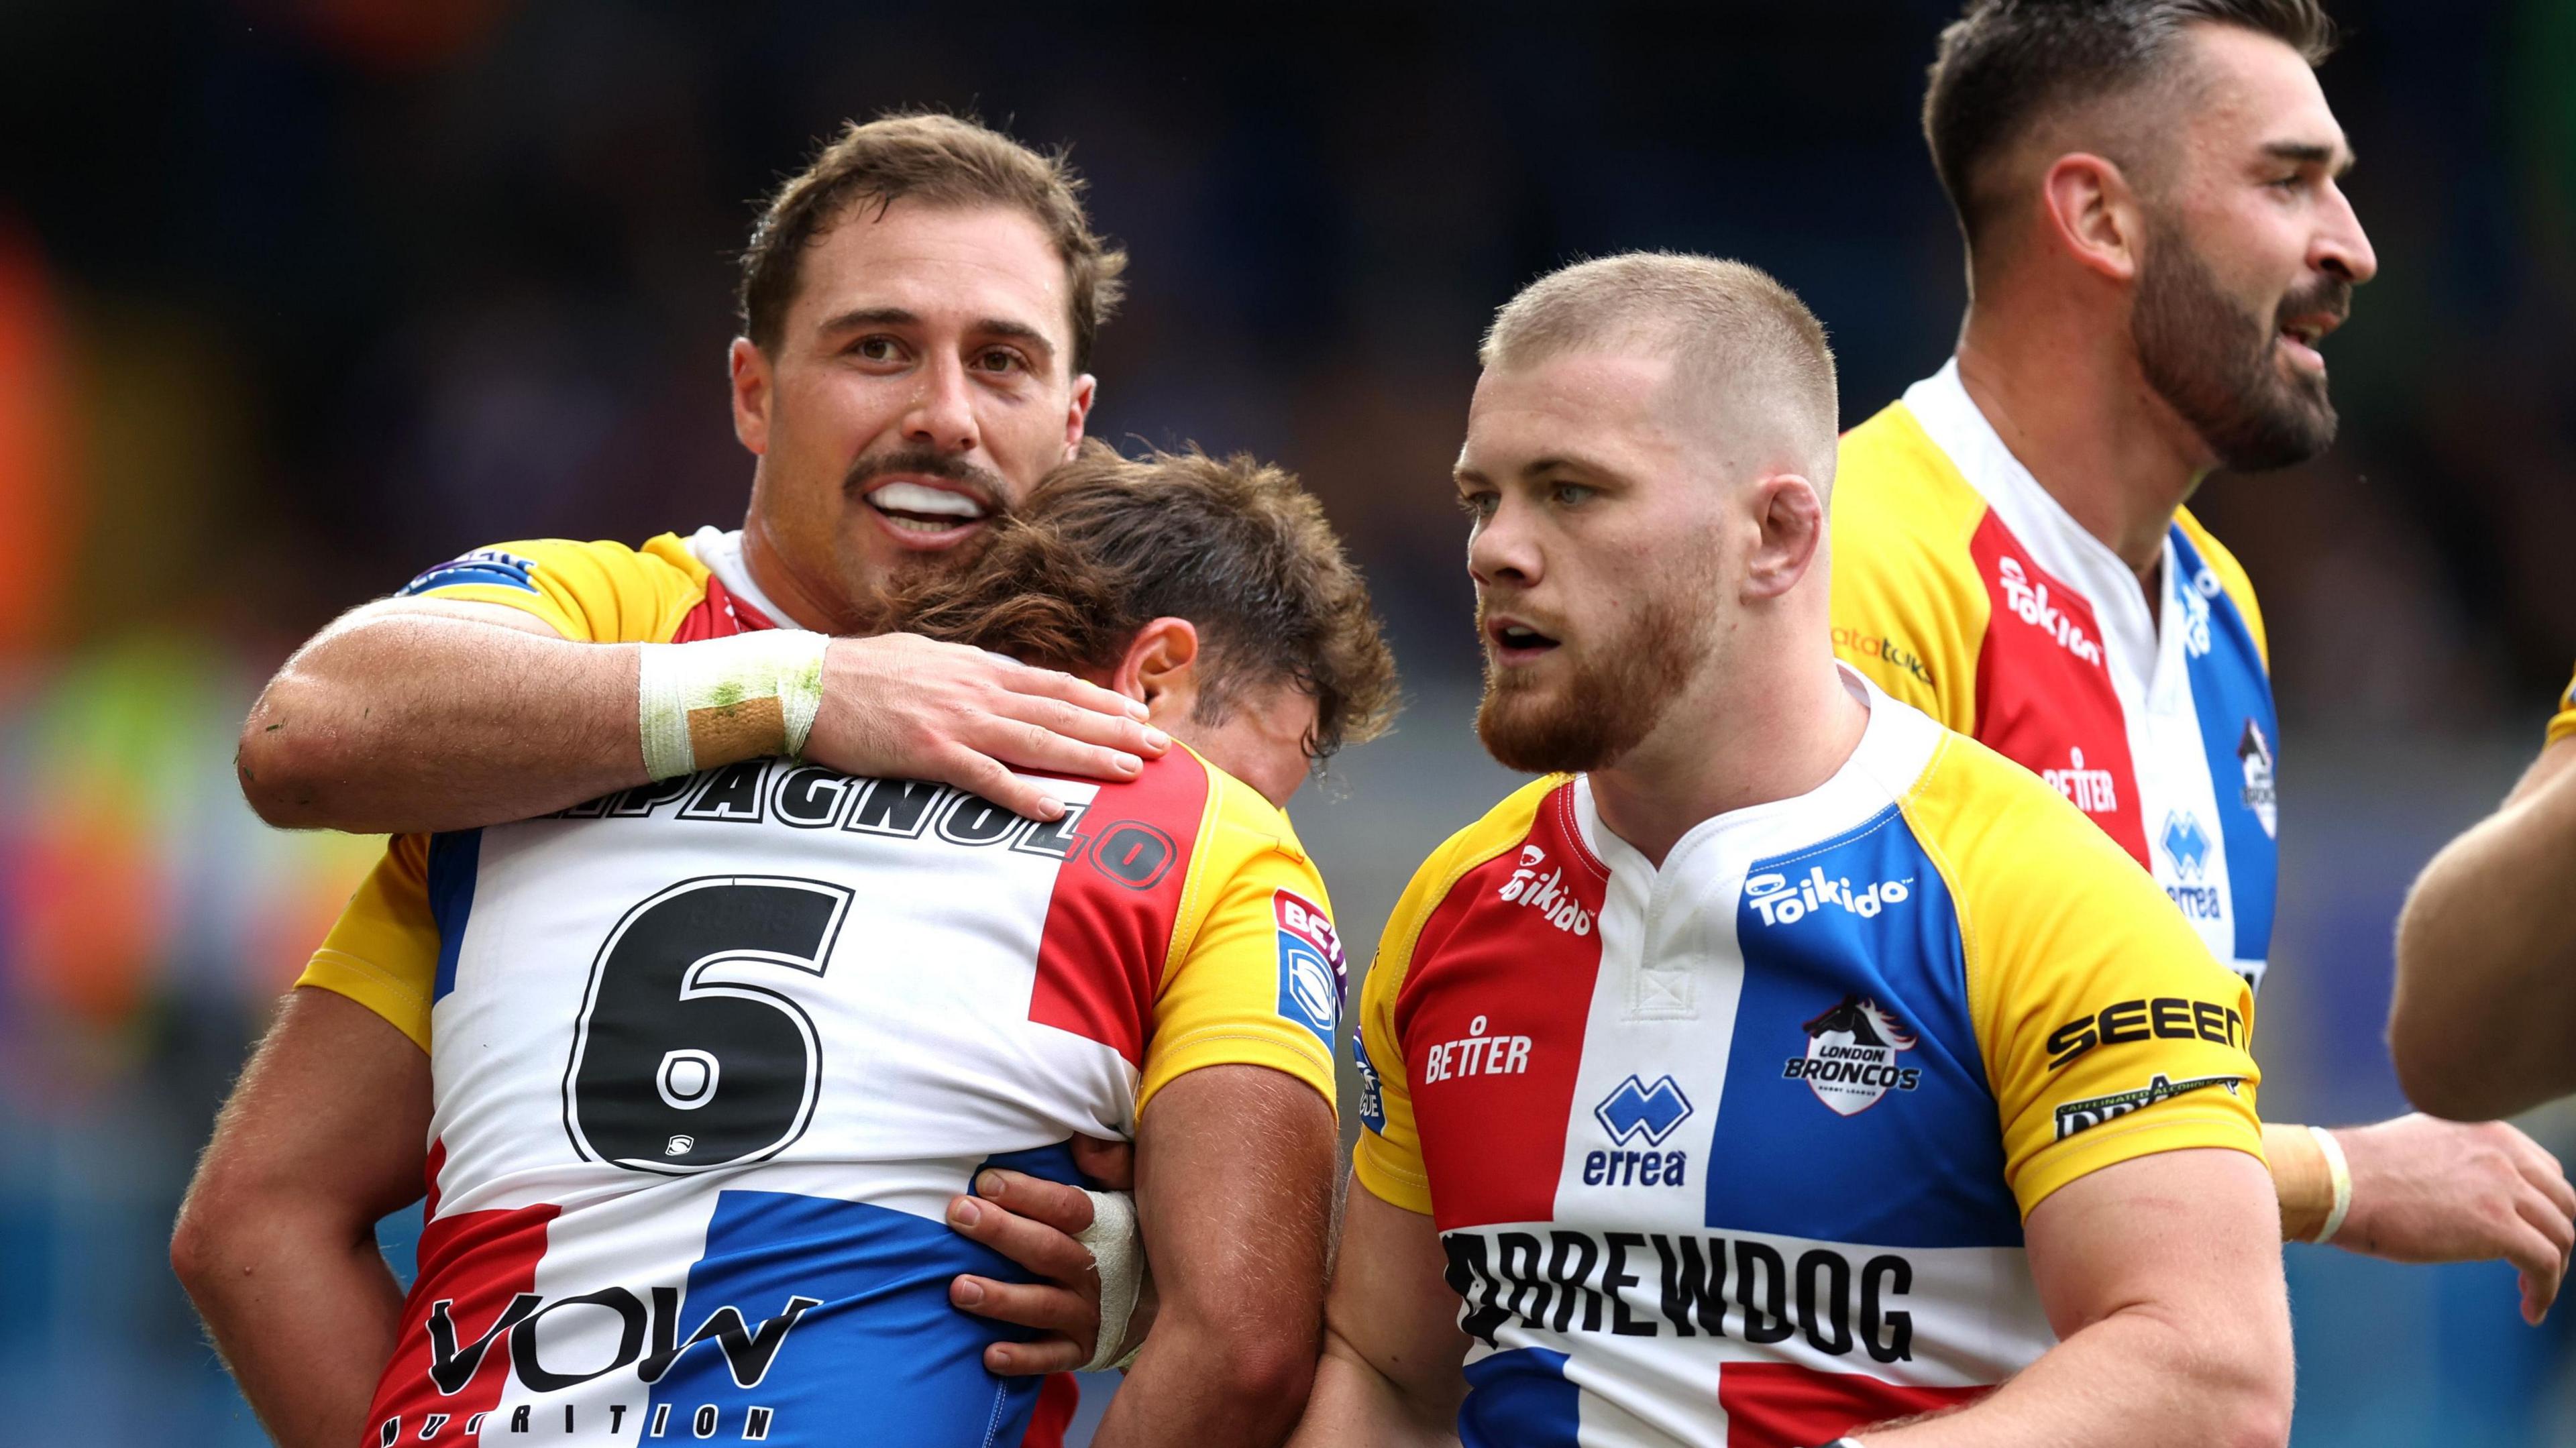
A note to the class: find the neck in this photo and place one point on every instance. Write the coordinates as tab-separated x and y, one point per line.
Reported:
796	597
2069	400
1736	738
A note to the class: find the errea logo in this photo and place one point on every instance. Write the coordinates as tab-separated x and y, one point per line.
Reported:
1546	893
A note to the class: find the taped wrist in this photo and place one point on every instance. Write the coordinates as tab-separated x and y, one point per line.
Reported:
715	701
1118	1254
2301	1179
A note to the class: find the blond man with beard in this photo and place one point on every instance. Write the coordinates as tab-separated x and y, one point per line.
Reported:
1712	1089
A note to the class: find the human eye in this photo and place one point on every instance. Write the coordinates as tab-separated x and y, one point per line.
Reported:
1477	503
1571	494
877	347
1000	359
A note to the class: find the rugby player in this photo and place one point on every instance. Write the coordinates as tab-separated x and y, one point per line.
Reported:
2486	952
2157	242
918	309
1781	1063
725	1218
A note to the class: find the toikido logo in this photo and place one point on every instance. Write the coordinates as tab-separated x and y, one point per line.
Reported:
1546	893
1779	902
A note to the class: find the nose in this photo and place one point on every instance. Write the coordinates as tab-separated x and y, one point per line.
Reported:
942	414
1501	547
2341	247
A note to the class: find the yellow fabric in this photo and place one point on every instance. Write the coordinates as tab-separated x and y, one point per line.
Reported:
1908	608
1388	1159
604	593
383	952
2062	935
2564	722
2231	576
1219	1002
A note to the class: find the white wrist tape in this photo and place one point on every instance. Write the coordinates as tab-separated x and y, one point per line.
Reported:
718	700
2341	1170
1118	1253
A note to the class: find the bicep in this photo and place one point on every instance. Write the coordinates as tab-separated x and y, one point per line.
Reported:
333	1110
2193	1235
1391	1305
1234	1167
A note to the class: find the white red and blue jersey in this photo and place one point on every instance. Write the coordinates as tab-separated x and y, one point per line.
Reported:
1737	1149
711	1056
1963	588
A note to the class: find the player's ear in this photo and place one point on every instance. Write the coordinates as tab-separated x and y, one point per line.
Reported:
751	393
1791	515
1161	666
2089	208
1077	412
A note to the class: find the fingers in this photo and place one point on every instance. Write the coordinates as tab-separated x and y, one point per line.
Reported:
1034	1359
978	774
2541	1262
1110	1163
1053	1204
1086	696
1042	1249
1057	738
1029	1304
2541	1169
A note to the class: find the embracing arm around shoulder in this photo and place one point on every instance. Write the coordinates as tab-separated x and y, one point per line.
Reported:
2486	957
327	1133
1234	1174
1391	1373
2161	1276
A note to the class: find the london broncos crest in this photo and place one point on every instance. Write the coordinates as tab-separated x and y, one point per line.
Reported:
1851	1057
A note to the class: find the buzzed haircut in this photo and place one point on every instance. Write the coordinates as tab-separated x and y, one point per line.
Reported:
2006	67
1729	326
939	160
1104	545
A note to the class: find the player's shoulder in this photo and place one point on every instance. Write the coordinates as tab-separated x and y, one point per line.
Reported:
2232	578
527	563
1507	827
1893	482
2007	830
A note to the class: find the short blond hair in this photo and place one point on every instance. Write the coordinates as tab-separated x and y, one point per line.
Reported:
1732	328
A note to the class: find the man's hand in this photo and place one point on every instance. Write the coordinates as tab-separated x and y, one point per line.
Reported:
2428	1190
904	707
1034	1222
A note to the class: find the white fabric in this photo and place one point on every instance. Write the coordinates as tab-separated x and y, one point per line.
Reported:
2341	1170
674	679
1117	1250
721	551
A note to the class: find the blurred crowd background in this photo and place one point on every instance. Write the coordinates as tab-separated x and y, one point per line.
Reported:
300	296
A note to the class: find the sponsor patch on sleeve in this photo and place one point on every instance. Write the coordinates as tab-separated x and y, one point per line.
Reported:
1311	974
1372	1093
488	566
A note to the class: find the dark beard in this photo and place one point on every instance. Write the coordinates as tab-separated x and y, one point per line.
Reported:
870	596
2217	365
1618	694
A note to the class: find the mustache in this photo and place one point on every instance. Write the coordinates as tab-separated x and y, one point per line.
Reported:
2329	296
922	462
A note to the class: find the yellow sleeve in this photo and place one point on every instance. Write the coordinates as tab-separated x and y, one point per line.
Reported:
2108	1030
2564	723
604	593
1256	972
1908	609
1388	1159
383	951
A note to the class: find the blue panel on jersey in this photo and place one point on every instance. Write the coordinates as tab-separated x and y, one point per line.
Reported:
488	566
876	1358
1856	1104
452	861
2233	696
1519	1399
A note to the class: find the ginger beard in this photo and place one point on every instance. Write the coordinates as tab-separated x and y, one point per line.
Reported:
1623	678
2217	364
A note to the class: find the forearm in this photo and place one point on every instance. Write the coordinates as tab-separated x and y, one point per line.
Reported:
1200	1382
401	722
2486	966
2134	1379
305	1315
1355	1404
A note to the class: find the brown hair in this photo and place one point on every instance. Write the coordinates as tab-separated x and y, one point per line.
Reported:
940	160
2006	65
1104	545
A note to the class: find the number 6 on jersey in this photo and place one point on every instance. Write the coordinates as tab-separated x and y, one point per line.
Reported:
687	1057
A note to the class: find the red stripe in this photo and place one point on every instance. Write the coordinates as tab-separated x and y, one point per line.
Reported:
476	1262
1117	898
1783	1405
721	614
1056	1404
2044	693
1493	1141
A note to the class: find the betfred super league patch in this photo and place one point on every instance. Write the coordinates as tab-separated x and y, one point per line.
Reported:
1311	973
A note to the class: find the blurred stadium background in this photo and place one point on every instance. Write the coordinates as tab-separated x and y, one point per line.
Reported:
298	296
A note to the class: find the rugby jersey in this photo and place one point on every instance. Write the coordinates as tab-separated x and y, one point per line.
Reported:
1737	1150
2563	723
1963	588
711	1055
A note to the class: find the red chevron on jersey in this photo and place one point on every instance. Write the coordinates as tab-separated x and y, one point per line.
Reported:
1117	906
2044	695
1496	1040
1773	1403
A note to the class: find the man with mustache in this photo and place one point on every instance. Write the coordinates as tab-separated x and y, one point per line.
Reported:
2157	242
1713	1086
918	310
